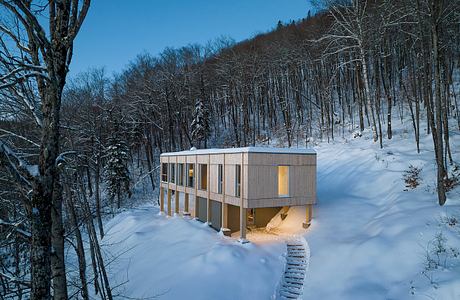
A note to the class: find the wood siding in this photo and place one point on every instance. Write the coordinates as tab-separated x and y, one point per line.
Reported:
259	174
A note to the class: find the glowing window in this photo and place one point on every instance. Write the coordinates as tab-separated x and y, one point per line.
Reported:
191	175
283	181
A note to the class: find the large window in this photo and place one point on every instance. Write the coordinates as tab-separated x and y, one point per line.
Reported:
237	180
283	181
220	178
164	172
191	175
172	173
203	177
180	174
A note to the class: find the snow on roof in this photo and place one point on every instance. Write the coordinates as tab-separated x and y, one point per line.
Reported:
244	150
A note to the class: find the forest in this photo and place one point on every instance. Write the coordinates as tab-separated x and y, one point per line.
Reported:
73	151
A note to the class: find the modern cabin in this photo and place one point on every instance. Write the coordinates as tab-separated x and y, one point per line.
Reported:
238	188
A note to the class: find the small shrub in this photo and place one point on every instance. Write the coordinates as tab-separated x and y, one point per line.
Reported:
453	180
357	134
412	177
452	221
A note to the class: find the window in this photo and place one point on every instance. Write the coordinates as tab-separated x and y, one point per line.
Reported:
283	181
180	174
220	178
237	180
191	175
164	172
172	174
203	177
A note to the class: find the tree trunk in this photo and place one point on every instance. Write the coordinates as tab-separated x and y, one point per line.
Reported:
438	101
57	242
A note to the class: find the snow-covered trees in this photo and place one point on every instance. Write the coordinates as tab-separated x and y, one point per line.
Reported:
200	124
116	170
35	55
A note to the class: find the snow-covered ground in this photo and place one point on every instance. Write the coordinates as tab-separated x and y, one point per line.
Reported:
369	237
368	240
177	258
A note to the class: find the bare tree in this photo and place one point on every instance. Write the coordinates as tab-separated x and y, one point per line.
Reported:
41	61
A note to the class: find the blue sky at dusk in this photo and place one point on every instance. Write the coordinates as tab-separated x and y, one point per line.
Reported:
116	31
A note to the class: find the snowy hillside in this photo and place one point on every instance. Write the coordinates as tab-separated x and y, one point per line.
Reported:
368	240
369	237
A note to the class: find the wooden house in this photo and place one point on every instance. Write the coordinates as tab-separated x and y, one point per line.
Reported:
238	188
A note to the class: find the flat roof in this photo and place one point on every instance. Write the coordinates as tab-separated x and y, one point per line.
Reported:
272	150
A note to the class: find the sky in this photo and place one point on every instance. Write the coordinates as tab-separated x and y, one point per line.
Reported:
116	31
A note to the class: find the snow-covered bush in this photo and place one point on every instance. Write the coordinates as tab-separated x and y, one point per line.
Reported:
357	134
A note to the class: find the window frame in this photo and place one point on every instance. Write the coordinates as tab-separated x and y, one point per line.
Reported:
164	172
220	178
191	180
237	180
180	174
172	173
200	185
287	183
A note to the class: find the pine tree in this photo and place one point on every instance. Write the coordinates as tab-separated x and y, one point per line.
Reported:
200	124
116	170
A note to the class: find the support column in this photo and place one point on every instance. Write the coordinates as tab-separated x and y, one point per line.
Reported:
176	202
224	229
224	215
208	189
186	204
162	199
243	210
195	207
208	210
308	216
243	216
169	202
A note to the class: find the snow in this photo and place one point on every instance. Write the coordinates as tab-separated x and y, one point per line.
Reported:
368	239
243	150
369	236
179	258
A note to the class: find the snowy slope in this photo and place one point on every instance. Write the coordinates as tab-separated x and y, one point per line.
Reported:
368	239
177	258
369	236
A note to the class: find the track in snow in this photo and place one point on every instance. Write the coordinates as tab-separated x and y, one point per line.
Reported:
297	260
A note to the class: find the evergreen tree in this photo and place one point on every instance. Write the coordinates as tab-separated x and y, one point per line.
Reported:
200	124
116	170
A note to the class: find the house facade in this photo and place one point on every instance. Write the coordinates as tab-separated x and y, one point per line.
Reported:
238	188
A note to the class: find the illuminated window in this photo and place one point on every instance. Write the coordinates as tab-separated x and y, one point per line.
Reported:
283	181
191	175
237	180
164	172
220	177
203	177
